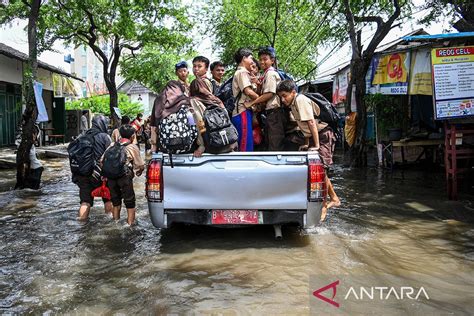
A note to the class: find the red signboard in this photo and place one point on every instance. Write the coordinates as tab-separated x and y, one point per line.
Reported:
458	51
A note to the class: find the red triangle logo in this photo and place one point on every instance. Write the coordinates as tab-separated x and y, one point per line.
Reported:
324	298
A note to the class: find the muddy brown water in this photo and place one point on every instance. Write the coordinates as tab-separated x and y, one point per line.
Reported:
388	224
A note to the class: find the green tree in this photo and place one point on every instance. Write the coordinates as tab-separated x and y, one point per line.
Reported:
100	104
459	12
112	28
153	66
293	28
27	10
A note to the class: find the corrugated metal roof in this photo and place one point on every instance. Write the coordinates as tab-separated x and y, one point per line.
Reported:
437	36
16	54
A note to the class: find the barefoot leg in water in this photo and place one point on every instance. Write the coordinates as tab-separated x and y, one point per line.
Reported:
333	200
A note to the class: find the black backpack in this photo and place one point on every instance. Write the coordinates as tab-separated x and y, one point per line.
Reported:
81	154
114	164
328	113
225	94
177	132
219	130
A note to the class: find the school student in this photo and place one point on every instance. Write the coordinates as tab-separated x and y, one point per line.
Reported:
243	93
86	183
255	74
217	72
116	133
182	72
275	123
304	111
120	173
200	68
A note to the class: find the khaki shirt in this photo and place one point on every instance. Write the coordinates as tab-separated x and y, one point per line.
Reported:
133	157
304	110
270	83
239	83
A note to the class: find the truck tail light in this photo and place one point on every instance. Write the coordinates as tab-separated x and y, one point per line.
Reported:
316	180
154	181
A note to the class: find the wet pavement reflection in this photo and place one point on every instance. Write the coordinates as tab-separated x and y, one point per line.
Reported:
387	224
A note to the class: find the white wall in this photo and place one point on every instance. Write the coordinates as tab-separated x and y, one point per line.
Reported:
10	70
144	101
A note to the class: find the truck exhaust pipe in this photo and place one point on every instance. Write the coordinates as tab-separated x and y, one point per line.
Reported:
278	235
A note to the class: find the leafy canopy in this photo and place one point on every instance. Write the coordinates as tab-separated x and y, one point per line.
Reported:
100	104
153	66
293	28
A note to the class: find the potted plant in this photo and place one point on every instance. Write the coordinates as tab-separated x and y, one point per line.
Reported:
389	115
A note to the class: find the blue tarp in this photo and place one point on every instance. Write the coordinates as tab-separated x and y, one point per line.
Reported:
438	36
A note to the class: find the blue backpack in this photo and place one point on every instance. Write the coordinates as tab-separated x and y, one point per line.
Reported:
284	76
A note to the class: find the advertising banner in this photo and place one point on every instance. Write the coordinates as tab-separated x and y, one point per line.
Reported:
340	84
390	73
453	81
420	73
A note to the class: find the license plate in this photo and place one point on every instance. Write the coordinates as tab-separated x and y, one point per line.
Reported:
234	217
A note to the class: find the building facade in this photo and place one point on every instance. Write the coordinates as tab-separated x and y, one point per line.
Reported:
12	65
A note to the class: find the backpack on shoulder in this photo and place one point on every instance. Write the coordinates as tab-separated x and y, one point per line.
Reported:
226	95
220	131
328	112
114	164
285	76
81	154
177	132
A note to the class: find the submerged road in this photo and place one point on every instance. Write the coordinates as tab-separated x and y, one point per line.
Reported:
397	230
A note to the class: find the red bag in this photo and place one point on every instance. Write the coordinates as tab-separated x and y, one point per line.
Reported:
257	135
102	191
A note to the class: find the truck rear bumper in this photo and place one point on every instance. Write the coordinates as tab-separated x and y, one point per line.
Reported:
162	218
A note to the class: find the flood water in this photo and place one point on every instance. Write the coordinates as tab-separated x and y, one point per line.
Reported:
388	224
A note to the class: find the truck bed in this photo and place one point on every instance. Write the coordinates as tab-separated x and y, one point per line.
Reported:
273	186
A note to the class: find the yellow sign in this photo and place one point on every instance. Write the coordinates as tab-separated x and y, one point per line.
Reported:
391	69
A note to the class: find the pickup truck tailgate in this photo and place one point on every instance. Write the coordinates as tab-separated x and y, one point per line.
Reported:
236	181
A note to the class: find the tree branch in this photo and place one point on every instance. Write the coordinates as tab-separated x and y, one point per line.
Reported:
352	31
376	19
250	27
132	48
26	3
276	25
382	30
116	57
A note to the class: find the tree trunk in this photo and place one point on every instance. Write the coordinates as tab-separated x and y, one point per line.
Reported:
358	151
31	113
113	103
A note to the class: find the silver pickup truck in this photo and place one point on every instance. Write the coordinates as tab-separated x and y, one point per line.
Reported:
241	188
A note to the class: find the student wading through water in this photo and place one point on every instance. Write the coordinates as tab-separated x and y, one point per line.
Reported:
84	161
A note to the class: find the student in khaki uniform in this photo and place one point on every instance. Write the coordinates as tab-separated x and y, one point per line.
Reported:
275	126
243	93
122	188
304	111
182	72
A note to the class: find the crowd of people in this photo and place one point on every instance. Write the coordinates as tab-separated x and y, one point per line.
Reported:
258	108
